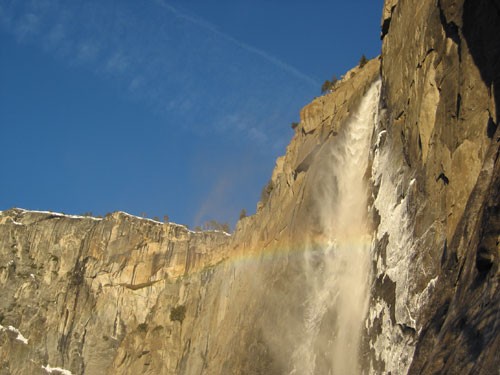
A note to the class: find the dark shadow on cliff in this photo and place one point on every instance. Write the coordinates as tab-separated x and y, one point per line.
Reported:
462	335
481	30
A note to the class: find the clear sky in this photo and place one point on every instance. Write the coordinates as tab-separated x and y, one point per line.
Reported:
161	107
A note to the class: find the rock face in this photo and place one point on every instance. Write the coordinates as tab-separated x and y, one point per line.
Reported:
124	295
439	153
85	291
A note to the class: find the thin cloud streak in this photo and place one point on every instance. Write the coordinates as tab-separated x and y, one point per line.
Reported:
205	82
204	24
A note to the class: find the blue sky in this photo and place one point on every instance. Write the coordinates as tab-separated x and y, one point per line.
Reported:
162	107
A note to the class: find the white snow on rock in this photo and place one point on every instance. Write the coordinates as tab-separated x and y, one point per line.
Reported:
145	218
172	224
59	214
19	337
56	370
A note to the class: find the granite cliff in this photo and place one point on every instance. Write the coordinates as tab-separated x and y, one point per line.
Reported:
125	295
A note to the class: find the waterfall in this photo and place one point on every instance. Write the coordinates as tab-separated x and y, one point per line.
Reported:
337	266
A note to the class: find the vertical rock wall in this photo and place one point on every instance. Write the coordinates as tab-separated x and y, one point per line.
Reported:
436	190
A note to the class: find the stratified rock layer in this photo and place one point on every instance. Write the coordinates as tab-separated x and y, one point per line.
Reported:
85	291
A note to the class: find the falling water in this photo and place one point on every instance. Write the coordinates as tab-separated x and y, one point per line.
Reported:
337	266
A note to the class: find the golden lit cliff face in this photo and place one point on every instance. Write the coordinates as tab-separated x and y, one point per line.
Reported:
441	114
84	290
286	216
438	102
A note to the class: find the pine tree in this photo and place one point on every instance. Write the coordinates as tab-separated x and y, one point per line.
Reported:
326	86
362	61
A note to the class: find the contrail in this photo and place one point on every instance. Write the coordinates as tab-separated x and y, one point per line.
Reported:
202	23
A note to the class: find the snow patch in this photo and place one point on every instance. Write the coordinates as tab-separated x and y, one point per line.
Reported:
432	284
217	231
59	214
413	321
16	222
379	137
171	224
19	337
392	203
57	370
145	218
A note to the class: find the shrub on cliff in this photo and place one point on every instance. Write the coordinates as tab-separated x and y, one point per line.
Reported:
329	85
325	86
362	61
266	192
178	313
215	225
